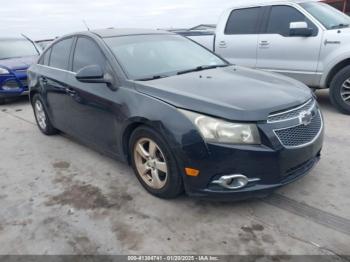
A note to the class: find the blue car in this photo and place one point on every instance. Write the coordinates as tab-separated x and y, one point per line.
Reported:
16	55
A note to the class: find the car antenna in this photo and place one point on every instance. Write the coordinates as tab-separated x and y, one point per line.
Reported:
87	27
30	40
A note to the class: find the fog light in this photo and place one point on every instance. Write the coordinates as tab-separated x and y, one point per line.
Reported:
10	85
234	182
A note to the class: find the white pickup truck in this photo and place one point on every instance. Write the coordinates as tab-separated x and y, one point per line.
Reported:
306	40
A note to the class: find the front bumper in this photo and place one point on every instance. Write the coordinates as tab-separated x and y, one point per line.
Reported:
13	85
272	164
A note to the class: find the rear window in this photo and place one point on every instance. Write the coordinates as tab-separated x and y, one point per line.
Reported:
243	21
60	54
44	60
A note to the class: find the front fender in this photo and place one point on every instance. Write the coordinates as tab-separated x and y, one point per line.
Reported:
331	64
174	127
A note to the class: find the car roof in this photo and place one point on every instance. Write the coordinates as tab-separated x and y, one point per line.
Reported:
111	32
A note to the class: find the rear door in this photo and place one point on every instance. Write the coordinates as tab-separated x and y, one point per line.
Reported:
237	40
295	56
53	80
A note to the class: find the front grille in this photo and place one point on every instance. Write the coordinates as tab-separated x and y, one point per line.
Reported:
293	113
302	134
24	82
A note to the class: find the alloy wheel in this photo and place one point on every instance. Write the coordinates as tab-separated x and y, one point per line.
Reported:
345	91
150	163
40	114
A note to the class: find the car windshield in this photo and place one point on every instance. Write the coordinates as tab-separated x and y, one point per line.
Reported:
330	17
156	56
16	48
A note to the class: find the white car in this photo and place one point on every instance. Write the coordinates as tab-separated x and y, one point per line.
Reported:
306	40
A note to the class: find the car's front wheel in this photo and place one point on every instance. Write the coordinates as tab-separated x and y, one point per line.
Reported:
41	117
154	164
340	90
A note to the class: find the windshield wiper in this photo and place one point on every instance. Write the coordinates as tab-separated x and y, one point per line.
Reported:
200	68
339	26
151	78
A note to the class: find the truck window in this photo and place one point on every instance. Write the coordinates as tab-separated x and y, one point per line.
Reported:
243	21
282	16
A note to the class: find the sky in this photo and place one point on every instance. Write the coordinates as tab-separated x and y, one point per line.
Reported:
40	19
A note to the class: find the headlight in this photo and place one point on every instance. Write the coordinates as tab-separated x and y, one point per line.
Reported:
4	71
220	131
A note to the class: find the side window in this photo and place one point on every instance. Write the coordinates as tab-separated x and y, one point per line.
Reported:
44	60
243	21
60	54
87	53
282	16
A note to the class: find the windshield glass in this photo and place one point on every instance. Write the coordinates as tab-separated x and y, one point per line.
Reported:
143	56
16	48
330	17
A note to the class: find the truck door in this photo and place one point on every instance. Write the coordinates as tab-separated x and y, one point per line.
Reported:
281	51
237	40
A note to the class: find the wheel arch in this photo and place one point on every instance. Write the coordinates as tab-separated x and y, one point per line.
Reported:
339	66
128	130
126	138
32	93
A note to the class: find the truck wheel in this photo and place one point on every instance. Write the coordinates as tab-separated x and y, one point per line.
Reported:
340	90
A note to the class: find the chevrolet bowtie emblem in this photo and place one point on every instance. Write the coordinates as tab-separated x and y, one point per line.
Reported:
305	118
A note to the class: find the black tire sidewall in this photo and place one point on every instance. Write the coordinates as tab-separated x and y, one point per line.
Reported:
173	186
335	90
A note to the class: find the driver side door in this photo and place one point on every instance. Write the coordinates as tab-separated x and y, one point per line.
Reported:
92	106
281	52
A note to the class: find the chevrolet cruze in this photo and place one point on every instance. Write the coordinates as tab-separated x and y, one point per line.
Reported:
182	117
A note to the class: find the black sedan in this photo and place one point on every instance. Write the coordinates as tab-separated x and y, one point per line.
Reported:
184	118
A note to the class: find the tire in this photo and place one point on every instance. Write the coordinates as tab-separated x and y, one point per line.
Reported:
336	89
42	119
168	186
2	101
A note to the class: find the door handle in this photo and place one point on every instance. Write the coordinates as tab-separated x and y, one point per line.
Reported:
43	80
264	43
71	91
222	44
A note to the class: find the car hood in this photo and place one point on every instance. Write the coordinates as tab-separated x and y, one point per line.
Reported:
233	93
18	63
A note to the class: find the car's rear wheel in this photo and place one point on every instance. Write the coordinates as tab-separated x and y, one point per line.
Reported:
154	164
340	90
41	117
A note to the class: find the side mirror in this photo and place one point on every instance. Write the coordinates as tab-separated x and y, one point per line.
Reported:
300	29
92	74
